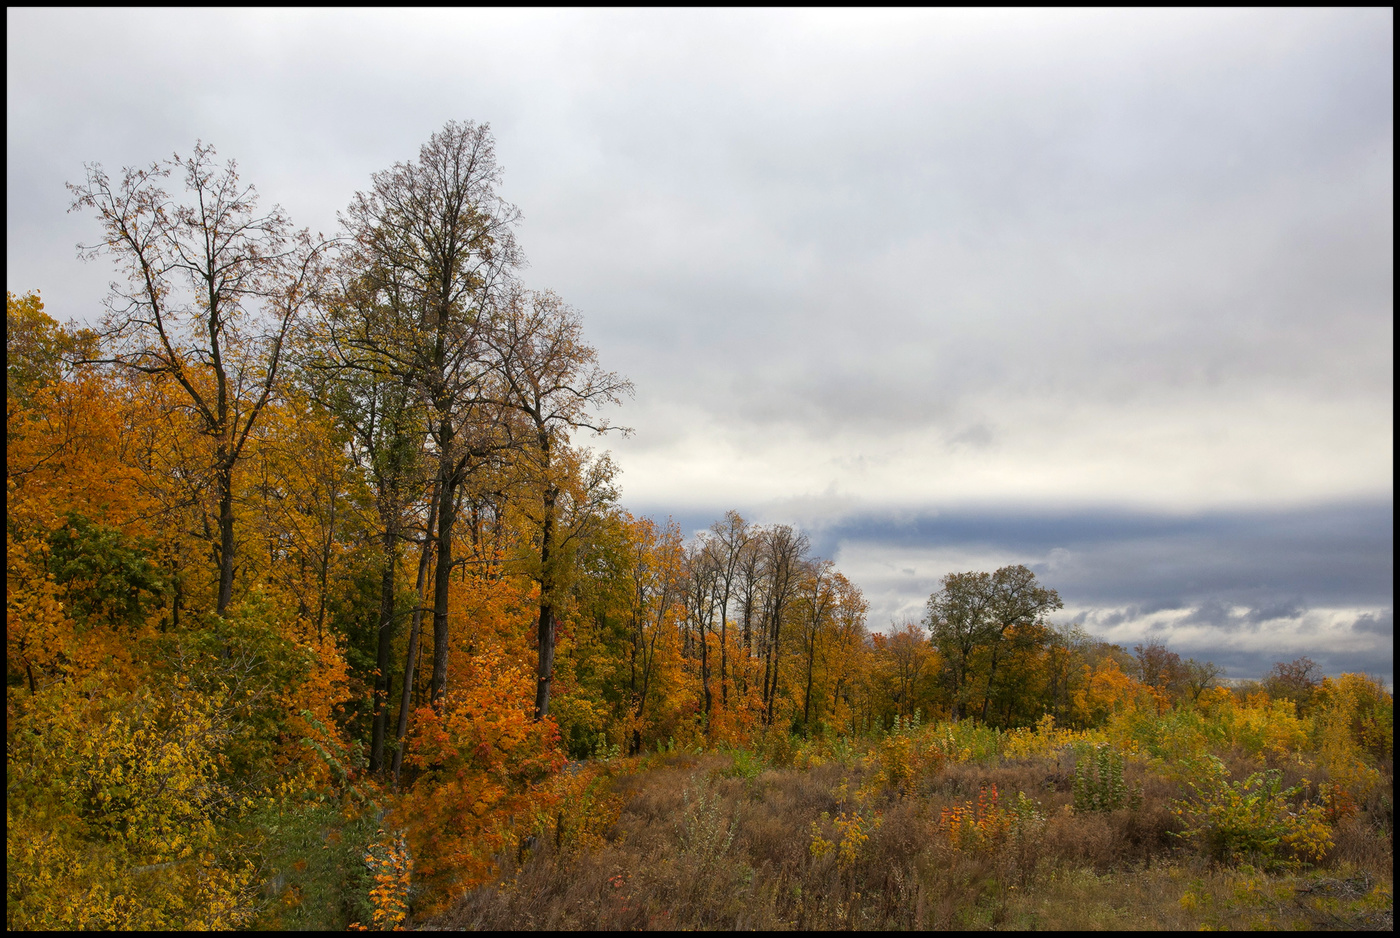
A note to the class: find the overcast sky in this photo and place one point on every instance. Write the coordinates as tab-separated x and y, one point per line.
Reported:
1106	293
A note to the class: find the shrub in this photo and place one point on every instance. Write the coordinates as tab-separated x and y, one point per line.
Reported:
1353	725
851	831
117	814
747	764
1253	820
1098	782
1044	740
704	831
390	868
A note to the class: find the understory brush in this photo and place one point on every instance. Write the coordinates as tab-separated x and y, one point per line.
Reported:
943	827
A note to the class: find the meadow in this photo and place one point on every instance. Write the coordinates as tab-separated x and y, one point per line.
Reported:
1234	815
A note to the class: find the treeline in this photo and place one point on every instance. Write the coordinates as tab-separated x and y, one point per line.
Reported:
313	589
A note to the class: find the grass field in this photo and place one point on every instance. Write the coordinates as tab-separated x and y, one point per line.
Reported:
732	840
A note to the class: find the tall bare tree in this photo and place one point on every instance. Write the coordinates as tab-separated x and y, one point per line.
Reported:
700	586
212	290
728	543
783	552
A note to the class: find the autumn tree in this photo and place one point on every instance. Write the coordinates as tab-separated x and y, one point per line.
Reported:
546	372
431	252
212	290
652	569
905	663
848	646
39	351
1064	651
817	606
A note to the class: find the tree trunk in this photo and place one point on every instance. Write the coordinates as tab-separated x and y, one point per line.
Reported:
724	651
776	663
545	669
411	662
382	679
705	662
648	661
225	487
325	566
992	675
442	581
807	695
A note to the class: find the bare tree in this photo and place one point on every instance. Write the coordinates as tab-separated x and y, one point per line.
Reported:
783	552
1296	680
751	601
1200	676
212	290
700	590
727	543
1160	667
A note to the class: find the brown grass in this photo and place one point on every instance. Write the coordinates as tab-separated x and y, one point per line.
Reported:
696	846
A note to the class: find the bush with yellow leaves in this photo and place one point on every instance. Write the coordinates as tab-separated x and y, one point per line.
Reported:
116	816
1253	821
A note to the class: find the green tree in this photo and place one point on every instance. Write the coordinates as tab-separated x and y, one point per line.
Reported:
1016	619
978	619
959	621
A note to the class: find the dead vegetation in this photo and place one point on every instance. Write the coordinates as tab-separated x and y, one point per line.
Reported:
715	842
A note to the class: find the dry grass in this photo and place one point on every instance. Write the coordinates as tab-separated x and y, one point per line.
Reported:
697	845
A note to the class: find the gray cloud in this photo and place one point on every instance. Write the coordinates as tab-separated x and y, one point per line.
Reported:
1382	623
1323	555
1277	609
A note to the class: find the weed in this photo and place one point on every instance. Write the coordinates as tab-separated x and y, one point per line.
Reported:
1098	782
704	831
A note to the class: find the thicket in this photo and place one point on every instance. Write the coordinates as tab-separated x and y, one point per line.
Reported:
957	825
318	613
